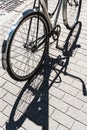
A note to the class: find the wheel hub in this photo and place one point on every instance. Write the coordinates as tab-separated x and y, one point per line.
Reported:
30	47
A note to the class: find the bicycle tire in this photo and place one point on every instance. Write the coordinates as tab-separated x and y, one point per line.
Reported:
15	63
69	17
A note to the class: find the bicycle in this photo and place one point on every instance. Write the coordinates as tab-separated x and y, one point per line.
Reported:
27	42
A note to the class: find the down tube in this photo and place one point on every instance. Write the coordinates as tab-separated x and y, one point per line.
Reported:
58	11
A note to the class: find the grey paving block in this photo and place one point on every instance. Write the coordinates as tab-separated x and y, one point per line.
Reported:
53	125
12	88
77	115
73	101
79	126
61	128
2	92
9	98
3	119
68	89
58	104
3	104
56	92
2	81
63	119
7	110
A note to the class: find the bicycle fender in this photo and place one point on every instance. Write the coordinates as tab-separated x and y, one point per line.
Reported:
9	35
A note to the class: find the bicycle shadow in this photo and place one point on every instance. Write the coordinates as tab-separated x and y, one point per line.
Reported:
33	100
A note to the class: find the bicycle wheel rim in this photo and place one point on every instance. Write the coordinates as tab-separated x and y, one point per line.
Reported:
72	12
17	73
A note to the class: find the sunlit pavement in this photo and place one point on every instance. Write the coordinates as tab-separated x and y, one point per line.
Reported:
67	106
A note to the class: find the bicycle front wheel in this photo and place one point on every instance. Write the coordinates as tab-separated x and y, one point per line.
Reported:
25	52
71	12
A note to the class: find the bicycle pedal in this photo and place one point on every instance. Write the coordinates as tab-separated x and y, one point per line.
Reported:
78	46
57	34
59	48
60	61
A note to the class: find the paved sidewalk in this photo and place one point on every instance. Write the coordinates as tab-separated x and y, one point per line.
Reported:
67	106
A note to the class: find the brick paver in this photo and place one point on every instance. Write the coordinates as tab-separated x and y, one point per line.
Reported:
66	106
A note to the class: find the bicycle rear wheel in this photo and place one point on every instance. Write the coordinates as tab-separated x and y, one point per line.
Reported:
71	46
23	56
71	12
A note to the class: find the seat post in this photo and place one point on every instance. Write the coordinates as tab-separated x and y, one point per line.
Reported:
46	1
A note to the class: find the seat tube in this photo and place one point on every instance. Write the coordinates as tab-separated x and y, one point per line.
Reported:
46	2
58	11
45	9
